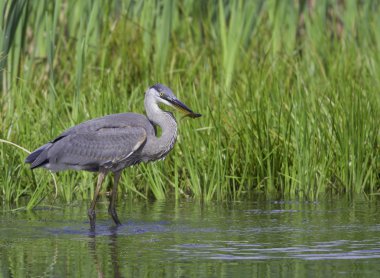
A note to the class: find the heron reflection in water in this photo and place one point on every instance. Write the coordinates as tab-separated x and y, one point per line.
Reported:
114	142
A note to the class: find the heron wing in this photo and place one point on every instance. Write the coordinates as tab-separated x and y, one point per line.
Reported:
101	142
90	150
111	121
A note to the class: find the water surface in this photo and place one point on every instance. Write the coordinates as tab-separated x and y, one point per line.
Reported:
336	238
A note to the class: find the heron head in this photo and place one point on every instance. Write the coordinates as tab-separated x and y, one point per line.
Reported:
164	95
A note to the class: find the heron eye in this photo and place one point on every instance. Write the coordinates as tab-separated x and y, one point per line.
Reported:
161	94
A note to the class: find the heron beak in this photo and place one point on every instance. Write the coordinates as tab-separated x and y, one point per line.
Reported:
181	107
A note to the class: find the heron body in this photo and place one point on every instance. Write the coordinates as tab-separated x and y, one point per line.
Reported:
114	142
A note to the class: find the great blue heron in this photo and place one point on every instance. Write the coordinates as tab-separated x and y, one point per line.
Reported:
114	142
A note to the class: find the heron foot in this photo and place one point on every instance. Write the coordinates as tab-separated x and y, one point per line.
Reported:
92	216
112	212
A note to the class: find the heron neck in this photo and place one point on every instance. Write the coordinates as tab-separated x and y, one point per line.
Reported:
163	144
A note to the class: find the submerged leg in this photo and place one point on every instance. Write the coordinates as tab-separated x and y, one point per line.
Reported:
111	208
91	210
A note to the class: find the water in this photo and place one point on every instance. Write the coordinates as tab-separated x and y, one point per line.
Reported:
337	238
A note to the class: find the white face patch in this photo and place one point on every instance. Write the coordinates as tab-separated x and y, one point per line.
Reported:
153	101
164	102
159	99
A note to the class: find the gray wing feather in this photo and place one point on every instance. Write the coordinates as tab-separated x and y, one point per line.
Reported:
114	120
109	141
106	147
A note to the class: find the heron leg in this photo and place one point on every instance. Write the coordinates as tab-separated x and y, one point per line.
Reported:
111	208
91	210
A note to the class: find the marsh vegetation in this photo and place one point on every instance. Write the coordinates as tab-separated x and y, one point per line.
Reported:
289	91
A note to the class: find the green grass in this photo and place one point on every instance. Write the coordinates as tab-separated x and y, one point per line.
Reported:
289	93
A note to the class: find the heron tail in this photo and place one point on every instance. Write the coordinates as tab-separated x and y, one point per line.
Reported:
39	157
